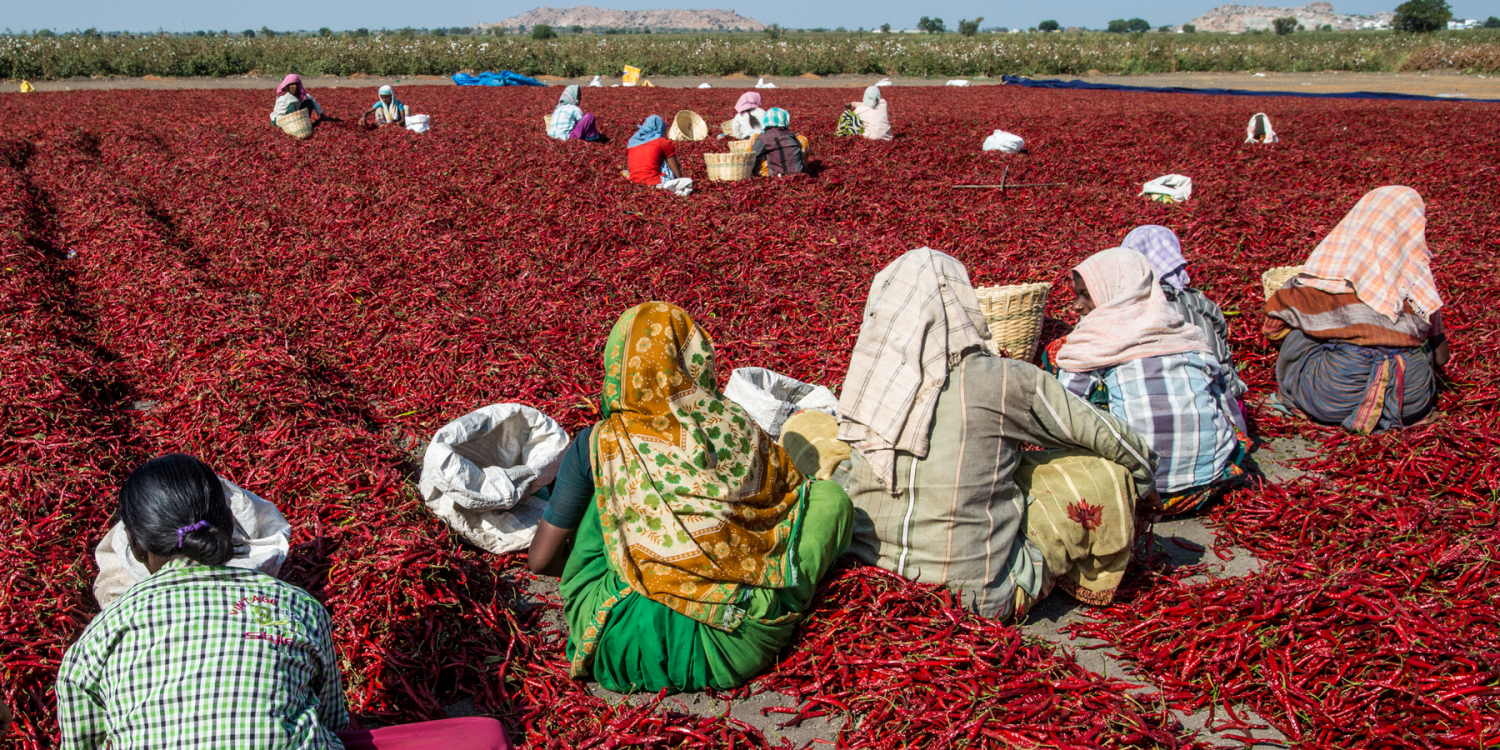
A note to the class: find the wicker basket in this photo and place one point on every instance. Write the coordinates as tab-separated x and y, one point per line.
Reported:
297	124
741	147
547	122
688	126
1014	315
727	127
1276	278
728	167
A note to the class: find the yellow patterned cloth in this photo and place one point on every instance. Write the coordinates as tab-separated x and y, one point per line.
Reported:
695	502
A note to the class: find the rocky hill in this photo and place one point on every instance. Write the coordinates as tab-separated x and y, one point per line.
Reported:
593	18
1242	18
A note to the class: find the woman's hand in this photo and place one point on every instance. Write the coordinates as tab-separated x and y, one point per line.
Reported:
1151	506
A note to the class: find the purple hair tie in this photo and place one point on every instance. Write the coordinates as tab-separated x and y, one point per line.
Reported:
190	529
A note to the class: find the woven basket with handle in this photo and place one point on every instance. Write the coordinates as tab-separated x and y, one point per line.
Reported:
547	122
727	127
1014	314
728	167
741	147
688	126
1276	278
297	124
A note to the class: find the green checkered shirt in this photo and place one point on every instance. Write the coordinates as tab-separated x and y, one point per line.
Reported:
202	656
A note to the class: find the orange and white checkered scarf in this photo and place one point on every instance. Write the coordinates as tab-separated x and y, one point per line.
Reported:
1380	249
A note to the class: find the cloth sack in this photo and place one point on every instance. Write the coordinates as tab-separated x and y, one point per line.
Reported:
418	123
1260	125
704	86
596	83
483	471
761	84
771	398
884	82
1000	140
1173	186
256	522
958	82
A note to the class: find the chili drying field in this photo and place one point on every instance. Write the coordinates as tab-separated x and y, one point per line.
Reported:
178	275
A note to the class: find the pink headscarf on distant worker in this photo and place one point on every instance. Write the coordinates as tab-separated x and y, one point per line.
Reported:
748	101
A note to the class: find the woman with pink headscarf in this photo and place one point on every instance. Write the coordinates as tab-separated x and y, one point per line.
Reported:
1135	356
749	119
291	96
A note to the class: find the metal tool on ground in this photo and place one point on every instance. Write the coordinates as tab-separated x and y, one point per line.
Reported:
1003	185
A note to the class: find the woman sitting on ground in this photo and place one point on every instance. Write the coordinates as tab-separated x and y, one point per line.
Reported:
291	96
1135	356
1359	329
388	110
1164	252
204	655
868	118
653	160
942	490
749	119
570	122
778	151
695	541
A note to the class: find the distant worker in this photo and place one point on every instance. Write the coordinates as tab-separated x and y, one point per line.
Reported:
778	152
570	122
653	160
749	119
292	96
388	110
868	118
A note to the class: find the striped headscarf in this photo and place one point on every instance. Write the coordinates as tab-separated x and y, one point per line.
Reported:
922	315
1380	249
776	117
1162	250
569	95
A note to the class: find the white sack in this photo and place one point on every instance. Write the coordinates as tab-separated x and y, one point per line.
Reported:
1265	127
958	82
596	83
704	86
771	398
256	522
1174	186
418	123
761	84
884	82
482	471
1000	140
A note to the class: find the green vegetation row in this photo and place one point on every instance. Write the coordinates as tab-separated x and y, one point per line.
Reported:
39	58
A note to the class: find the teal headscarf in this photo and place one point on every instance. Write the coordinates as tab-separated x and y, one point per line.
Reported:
778	118
569	95
654	127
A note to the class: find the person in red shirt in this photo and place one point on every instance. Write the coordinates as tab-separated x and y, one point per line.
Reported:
653	160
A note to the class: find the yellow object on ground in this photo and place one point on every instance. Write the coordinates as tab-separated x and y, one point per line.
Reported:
26	87
632	75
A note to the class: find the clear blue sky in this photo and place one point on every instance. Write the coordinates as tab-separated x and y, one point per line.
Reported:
149	15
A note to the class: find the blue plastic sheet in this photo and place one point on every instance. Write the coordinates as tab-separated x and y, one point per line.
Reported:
1054	83
503	78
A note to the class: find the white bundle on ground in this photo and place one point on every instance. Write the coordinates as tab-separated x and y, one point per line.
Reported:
1259	130
596	83
958	82
256	522
884	82
1174	186
1000	140
770	397
483	470
418	123
704	86
761	84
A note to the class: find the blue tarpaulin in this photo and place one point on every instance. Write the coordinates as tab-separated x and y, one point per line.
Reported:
503	78
1054	83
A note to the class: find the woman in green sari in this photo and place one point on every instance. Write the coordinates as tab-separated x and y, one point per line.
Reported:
696	544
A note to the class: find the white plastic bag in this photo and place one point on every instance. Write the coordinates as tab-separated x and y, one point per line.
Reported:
1174	186
884	82
256	522
1266	133
770	397
596	83
482	472
418	123
958	82
704	86
761	84
1000	140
